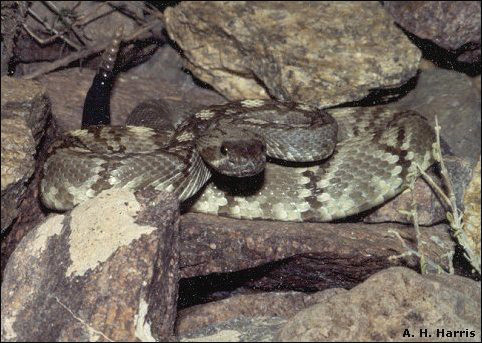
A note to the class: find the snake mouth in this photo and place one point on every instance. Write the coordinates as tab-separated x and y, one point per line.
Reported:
245	173
240	167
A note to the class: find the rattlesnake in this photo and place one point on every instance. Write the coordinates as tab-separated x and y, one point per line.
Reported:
375	159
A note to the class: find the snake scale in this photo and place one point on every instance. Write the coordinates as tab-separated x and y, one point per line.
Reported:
306	176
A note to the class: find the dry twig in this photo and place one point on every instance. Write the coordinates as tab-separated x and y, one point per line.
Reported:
87	52
454	215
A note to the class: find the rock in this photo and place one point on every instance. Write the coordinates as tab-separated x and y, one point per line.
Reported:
245	317
241	329
18	150
13	14
25	110
26	100
392	303
273	307
380	309
311	256
455	100
472	220
108	270
460	172
453	25
476	83
321	53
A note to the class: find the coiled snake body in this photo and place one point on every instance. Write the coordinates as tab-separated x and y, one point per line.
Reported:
376	156
375	159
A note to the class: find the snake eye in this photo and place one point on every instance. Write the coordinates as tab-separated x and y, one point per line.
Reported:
223	150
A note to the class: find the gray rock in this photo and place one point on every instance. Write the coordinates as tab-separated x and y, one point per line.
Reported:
455	100
460	172
472	219
273	307
240	329
25	110
13	14
18	150
108	270
322	53
313	256
390	304
453	25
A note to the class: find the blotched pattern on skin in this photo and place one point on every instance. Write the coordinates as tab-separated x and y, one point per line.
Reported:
373	161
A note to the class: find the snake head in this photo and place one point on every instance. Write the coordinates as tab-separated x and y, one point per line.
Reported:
237	153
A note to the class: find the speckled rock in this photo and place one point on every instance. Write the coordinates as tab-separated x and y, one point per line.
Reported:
453	25
25	110
13	13
320	53
396	304
18	150
312	256
472	219
455	99
26	100
276	306
108	270
239	329
460	172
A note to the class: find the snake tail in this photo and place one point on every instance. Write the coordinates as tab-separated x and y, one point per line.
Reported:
97	102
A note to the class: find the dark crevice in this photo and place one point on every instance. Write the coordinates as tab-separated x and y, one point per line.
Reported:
218	286
444	58
383	96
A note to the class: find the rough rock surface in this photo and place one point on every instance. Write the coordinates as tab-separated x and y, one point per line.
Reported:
380	309
25	110
322	53
26	100
13	13
280	305
388	304
472	218
460	172
108	270
18	150
455	100
314	256
239	329
453	25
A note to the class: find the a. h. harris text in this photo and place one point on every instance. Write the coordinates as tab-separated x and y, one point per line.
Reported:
439	333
